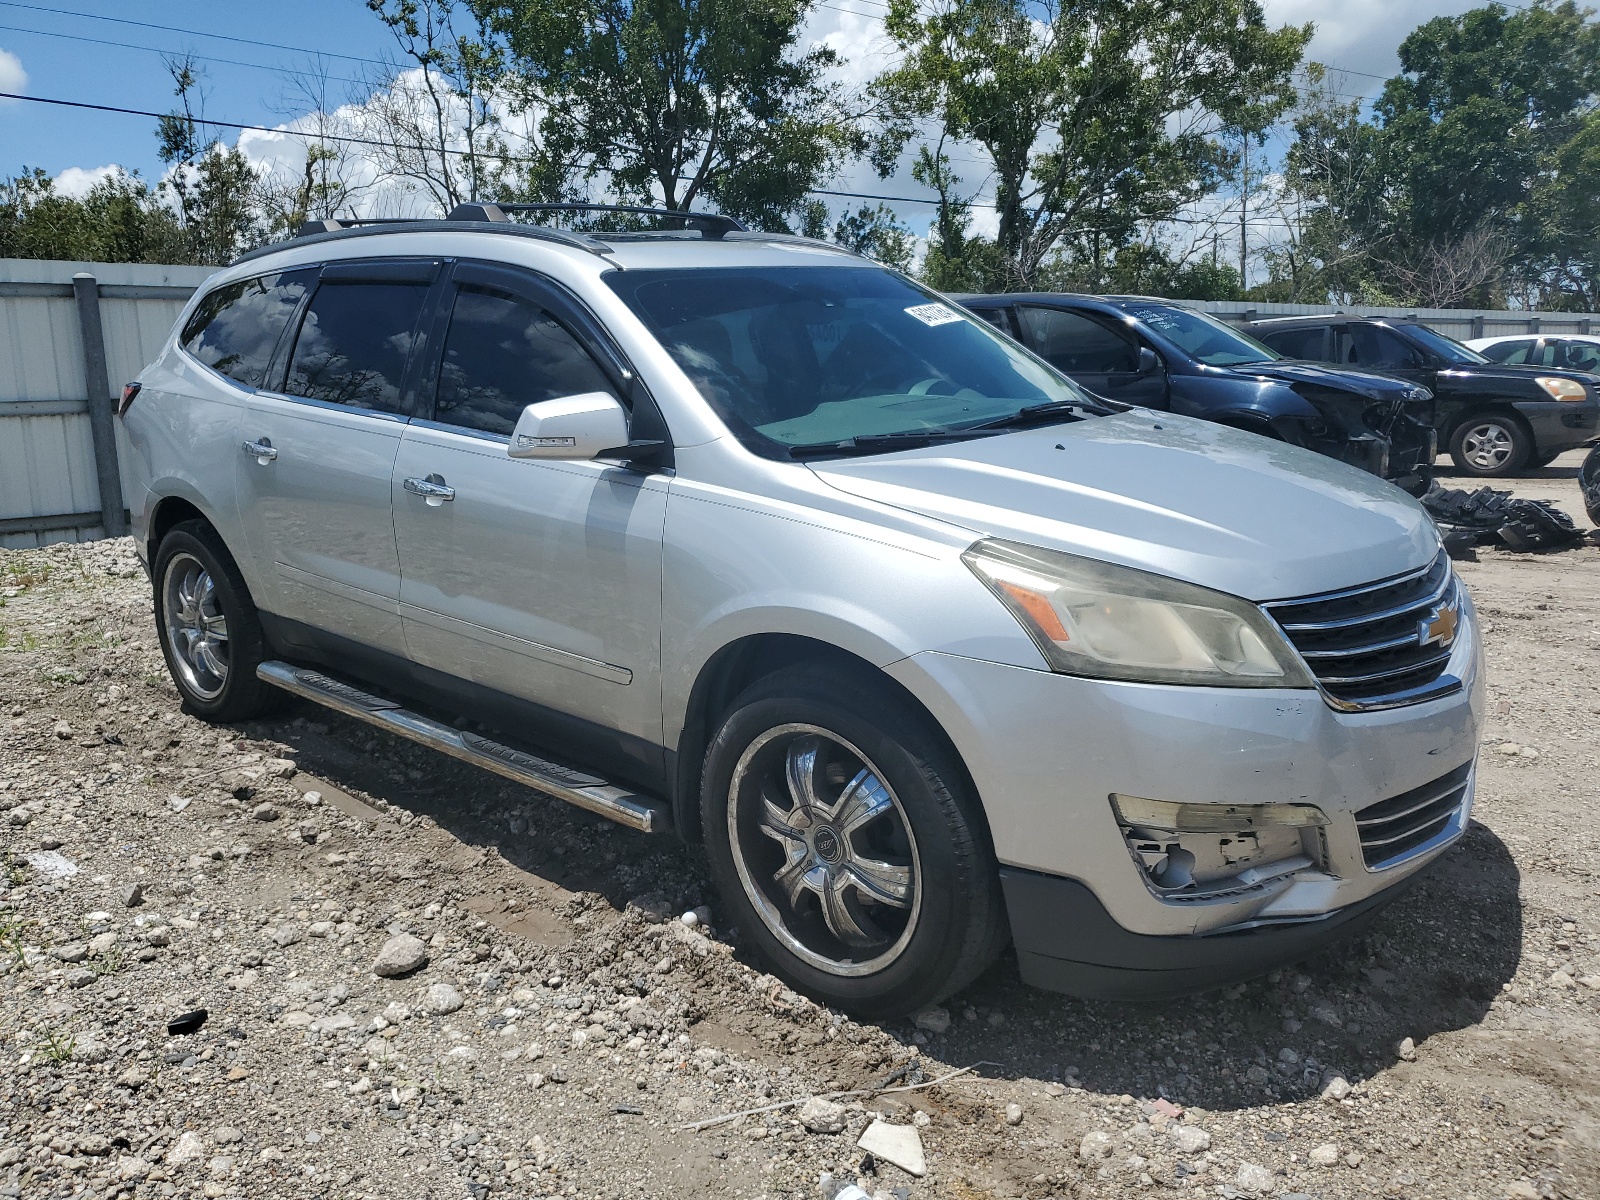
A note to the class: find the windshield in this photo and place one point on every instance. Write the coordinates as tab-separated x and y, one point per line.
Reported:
809	356
1446	348
1201	336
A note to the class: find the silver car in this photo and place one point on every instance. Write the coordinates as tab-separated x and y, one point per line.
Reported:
748	539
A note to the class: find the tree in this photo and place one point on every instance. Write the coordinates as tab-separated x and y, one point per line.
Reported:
1564	225
212	185
119	220
1095	117
877	233
681	101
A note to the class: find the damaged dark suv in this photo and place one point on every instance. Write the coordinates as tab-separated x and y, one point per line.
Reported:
1157	354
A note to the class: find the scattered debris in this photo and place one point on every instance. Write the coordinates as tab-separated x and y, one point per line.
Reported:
188	1022
1589	481
52	864
1490	517
897	1144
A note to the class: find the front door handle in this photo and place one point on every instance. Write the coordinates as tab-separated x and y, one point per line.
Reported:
433	489
261	451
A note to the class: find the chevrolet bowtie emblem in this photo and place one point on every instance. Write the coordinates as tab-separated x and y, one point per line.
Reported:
1439	627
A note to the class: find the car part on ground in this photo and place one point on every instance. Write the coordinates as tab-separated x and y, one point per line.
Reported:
1589	480
1487	517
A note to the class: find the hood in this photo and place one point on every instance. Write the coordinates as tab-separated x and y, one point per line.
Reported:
1363	383
1519	378
1185	498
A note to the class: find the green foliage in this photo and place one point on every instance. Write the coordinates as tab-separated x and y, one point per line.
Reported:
119	220
877	233
1096	118
211	185
678	101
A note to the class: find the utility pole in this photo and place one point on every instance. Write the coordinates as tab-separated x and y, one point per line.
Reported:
1244	212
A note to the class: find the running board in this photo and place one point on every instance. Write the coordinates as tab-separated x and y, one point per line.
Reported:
644	813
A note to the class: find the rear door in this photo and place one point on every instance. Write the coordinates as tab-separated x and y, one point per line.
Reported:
1103	359
537	579
318	451
1307	343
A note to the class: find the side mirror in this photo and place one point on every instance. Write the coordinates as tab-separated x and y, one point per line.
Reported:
1149	362
570	427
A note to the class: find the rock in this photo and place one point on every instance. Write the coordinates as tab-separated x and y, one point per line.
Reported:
133	1079
691	919
1337	1088
133	895
933	1020
897	1144
226	1135
1096	1145
652	906
90	1052
62	730
280	768
19	817
72	952
822	1116
80	978
1407	1050
1325	1155
101	943
187	1148
1560	979
264	812
395	1013
1521	1190
442	999
286	935
95	1145
1013	1114
132	1167
401	955
1253	1177
1190	1139
320	929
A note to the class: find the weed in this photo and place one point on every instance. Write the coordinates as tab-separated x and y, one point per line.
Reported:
108	963
16	872
58	1045
11	931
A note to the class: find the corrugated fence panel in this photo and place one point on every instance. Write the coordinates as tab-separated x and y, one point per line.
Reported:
49	489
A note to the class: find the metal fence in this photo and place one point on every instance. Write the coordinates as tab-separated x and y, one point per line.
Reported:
72	333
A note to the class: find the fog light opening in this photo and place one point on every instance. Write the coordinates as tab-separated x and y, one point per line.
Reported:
1193	851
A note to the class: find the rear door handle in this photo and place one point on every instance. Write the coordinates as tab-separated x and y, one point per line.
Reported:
433	489
261	451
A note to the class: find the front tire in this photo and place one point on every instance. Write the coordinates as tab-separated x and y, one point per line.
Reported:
845	841
1489	445
209	629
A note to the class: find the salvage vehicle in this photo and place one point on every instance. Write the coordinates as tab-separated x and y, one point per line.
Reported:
744	538
1157	354
1494	419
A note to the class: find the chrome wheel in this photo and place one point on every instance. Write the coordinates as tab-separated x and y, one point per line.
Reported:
196	629
1488	446
824	850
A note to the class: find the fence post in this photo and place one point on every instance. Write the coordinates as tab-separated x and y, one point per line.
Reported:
87	291
1477	326
1533	324
1584	326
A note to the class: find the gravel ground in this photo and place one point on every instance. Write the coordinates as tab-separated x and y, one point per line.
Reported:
568	1025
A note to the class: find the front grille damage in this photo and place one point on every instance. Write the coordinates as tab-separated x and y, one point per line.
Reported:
1381	644
1394	829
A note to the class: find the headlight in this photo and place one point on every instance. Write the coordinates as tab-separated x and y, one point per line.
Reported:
1561	389
1109	622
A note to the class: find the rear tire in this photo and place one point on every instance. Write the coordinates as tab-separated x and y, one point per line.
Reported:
208	627
1490	445
846	843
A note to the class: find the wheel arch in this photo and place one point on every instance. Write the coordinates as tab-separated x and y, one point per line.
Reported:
748	659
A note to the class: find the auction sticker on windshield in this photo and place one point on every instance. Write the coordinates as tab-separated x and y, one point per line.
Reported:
933	314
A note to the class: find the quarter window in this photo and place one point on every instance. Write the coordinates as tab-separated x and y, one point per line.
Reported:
1302	342
1578	356
235	328
1075	344
504	353
1375	346
354	342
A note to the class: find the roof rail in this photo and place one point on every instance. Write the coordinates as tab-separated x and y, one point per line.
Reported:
333	224
711	225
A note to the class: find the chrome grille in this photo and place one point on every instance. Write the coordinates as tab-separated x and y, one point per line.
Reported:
1368	645
1394	828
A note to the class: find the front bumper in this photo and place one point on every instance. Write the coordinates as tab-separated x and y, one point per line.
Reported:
1047	751
1559	425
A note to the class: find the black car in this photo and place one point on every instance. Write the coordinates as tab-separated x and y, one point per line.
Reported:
1158	354
1494	419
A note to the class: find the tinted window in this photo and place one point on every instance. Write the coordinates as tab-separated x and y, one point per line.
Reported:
1000	318
1073	343
235	328
797	356
1440	346
1204	337
1514	353
504	353
1577	356
1375	346
353	344
1302	341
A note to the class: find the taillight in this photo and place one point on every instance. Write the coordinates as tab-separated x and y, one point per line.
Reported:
129	391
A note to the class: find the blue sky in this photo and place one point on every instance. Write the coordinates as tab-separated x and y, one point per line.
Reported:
70	51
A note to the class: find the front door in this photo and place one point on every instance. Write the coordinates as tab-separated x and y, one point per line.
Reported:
316	456
1102	359
537	579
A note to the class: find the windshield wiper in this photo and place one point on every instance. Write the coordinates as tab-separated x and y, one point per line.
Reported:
1036	413
877	443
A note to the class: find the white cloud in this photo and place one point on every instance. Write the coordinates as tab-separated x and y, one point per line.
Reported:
76	181
1361	37
12	77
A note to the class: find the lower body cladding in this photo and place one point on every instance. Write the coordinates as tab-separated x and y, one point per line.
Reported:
1157	840
1559	425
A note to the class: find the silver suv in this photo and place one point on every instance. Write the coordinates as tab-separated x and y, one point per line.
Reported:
746	538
